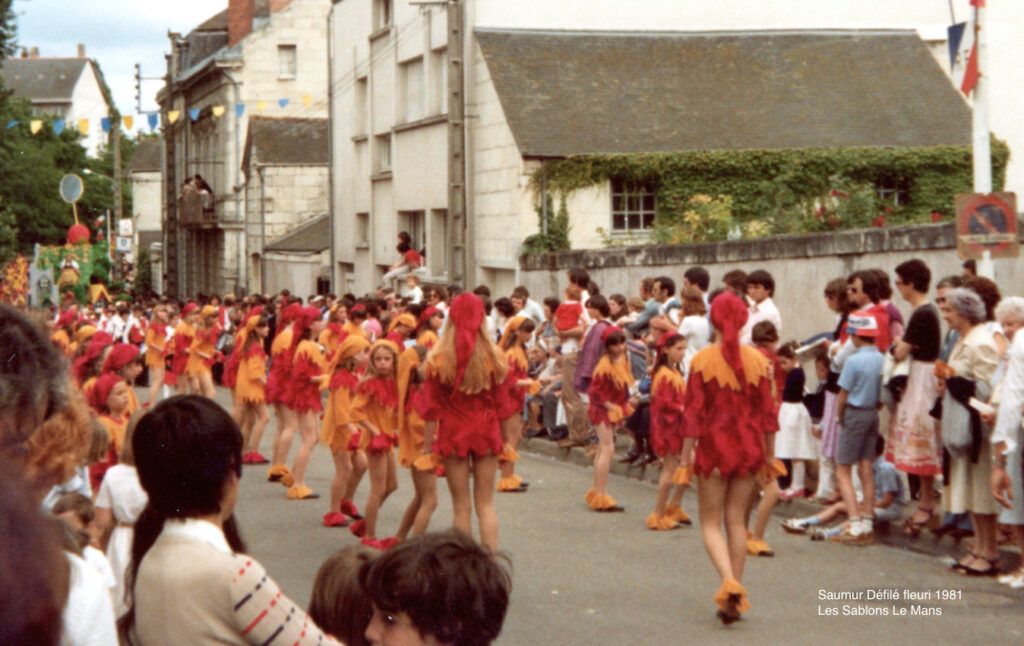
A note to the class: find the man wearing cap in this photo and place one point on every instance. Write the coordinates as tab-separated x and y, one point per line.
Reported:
857	410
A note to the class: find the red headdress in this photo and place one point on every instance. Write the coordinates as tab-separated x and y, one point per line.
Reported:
188	309
610	330
120	356
467	315
67	319
101	391
427	314
302	321
665	340
728	315
97	343
288	314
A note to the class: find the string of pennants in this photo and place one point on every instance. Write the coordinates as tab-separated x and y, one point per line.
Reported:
152	118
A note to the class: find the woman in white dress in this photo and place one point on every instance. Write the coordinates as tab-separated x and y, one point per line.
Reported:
118	505
694	326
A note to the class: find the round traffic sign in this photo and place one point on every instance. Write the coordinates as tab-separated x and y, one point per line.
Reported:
71	188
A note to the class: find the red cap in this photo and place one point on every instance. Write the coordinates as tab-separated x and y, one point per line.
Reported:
101	390
610	330
188	309
120	356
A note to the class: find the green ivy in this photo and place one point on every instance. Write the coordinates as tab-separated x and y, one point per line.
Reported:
557	236
784	191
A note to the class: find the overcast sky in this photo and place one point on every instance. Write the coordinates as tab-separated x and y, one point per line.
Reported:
116	33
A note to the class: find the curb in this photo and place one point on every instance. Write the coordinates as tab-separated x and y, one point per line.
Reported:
890	536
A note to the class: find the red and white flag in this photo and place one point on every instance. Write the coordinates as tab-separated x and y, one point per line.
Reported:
963	55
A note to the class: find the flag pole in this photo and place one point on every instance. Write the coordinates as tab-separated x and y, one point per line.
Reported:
981	153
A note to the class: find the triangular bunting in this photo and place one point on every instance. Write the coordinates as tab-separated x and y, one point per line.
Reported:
193	113
239	110
173	115
307	100
83	127
154	120
128	121
261	106
218	110
35	126
58	126
105	124
283	102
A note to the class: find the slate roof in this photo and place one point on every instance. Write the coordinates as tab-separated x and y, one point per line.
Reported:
311	237
219	21
147	157
283	140
46	80
572	93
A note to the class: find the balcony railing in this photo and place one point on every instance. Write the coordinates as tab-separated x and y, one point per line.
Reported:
197	208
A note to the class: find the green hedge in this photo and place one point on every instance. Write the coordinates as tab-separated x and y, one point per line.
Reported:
782	189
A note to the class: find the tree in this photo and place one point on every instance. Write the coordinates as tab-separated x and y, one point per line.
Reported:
143	285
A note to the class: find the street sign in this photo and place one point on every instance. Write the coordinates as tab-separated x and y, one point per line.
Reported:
986	223
124	244
71	188
125	227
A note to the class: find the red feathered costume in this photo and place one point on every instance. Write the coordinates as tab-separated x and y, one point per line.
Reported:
302	393
729	403
668	392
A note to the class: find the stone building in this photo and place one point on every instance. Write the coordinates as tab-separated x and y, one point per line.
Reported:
255	57
144	172
547	81
286	187
63	88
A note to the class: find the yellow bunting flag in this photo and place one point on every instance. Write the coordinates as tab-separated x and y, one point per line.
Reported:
128	121
218	110
261	106
35	125
307	100
173	115
83	127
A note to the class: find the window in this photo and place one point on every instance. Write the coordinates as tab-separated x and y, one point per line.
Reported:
439	77
287	61
362	228
360	108
384	153
632	206
413	223
410	76
382	14
893	192
437	242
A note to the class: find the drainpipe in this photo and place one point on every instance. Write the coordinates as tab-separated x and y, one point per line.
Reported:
263	230
330	143
243	267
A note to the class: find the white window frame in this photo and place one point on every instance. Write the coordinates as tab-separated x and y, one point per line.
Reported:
892	193
633	207
384	153
413	100
283	52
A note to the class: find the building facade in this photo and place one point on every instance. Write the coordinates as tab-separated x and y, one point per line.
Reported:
144	172
390	137
256	57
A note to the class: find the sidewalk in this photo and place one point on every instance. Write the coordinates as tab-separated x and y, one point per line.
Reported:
891	536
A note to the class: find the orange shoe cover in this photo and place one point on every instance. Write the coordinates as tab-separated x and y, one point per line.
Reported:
590	496
276	471
660	523
510	483
288	480
601	502
682	476
508	454
676	513
759	548
732	586
301	492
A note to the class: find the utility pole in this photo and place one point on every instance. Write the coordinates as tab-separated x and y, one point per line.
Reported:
981	150
170	260
457	226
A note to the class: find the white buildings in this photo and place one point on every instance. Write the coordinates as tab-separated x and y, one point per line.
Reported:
532	92
144	172
64	88
270	58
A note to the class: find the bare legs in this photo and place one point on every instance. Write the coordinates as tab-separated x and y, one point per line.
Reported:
383	481
286	425
156	381
603	458
421	508
724	501
483	470
668	470
342	474
307	432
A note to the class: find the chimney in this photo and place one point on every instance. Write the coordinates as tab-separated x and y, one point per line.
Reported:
240	14
279	5
81	50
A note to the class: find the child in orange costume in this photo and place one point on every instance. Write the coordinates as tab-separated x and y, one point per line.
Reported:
250	384
668	390
421	467
334	332
202	353
123	360
229	376
462	381
431	320
184	334
400	328
64	329
517	382
156	346
277	382
82	336
302	395
376	407
109	398
609	408
729	416
339	426
766	339
86	368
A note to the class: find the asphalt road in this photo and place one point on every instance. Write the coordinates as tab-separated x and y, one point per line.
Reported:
585	578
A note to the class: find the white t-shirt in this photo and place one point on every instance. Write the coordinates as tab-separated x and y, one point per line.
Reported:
763	311
88	617
122	493
99	562
697	331
534	310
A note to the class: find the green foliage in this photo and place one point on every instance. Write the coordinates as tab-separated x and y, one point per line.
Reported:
697	218
557	236
143	285
8	236
784	191
8	28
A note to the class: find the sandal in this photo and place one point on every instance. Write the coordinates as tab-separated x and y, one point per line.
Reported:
991	569
912	526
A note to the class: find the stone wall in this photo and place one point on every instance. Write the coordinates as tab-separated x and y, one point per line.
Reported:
801	266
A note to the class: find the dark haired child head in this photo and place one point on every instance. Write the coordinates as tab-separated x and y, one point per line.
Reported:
765	335
338	605
440	587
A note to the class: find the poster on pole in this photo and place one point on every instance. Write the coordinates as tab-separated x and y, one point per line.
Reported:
124	245
986	223
125	227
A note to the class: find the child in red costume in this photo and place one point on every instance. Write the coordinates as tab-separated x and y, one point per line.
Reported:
302	395
109	398
668	390
517	382
463	377
184	334
421	467
375	406
610	405
729	417
123	360
277	382
339	425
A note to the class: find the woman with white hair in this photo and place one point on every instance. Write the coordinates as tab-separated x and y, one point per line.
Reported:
1006	438
968	374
